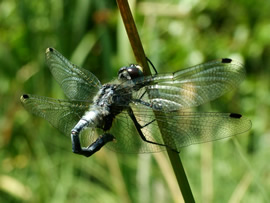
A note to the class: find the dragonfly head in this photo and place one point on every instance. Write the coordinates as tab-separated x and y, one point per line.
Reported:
130	72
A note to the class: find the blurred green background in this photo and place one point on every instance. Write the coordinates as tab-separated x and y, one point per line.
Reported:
36	162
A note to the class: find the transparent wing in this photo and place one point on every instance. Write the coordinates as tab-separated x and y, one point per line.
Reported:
189	87
181	129
62	114
127	138
77	83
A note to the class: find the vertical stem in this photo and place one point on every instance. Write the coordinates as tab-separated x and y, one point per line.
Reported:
141	59
133	35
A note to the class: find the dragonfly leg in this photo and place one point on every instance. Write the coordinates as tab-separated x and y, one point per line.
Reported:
91	149
155	74
142	95
148	123
139	127
139	101
152	65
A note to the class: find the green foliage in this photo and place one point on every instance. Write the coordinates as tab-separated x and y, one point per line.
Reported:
36	162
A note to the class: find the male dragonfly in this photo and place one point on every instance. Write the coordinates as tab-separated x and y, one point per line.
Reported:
125	114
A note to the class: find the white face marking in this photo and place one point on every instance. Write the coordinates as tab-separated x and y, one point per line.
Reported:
140	68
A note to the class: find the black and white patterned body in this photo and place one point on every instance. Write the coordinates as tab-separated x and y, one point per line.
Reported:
128	104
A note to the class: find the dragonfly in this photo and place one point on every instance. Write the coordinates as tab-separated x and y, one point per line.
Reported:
129	113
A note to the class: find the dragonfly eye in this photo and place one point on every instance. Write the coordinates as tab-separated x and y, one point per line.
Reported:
135	71
130	72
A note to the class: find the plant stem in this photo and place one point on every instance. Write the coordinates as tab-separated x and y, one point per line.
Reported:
141	59
133	35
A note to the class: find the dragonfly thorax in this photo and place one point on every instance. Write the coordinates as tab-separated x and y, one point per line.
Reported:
104	97
107	104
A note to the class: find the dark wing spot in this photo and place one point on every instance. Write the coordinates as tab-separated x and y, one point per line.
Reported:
49	50
235	115
25	96
226	60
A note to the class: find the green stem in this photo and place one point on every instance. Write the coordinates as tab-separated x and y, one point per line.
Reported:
141	59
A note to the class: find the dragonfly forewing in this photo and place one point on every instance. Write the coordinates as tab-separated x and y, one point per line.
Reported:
77	83
193	86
